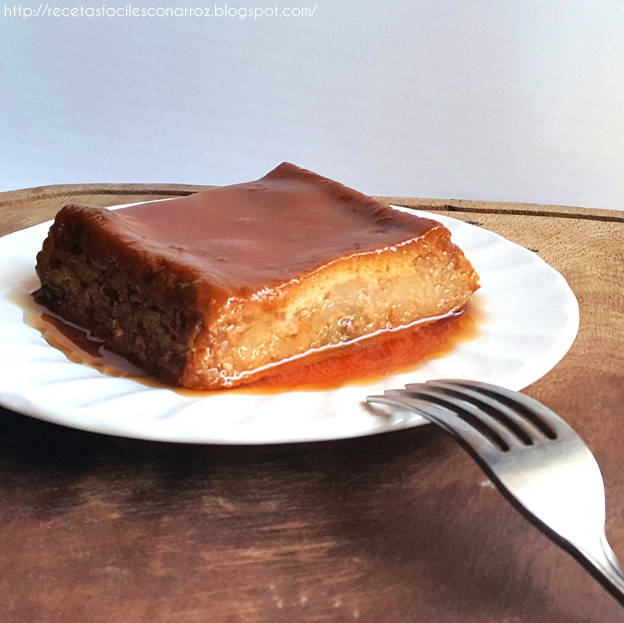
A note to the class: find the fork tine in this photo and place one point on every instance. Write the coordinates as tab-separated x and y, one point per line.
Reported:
470	437
485	417
531	410
523	429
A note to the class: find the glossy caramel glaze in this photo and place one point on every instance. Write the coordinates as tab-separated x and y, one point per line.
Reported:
373	358
248	237
363	362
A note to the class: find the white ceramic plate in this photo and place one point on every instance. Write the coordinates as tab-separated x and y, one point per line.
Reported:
531	320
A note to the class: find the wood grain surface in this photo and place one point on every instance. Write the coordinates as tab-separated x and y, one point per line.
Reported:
394	528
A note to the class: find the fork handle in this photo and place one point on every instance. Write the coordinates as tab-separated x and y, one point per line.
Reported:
602	563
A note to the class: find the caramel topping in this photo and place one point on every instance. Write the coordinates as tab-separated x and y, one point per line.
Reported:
265	233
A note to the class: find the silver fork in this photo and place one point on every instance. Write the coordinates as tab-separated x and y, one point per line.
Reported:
534	458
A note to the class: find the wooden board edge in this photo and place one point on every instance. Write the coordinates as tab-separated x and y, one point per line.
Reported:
42	193
494	207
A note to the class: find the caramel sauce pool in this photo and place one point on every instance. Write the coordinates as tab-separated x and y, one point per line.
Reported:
358	363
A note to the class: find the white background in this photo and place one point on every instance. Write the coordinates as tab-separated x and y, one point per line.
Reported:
476	99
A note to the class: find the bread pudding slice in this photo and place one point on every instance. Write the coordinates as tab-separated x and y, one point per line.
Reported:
215	289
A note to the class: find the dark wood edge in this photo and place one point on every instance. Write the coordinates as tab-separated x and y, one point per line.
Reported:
41	193
434	205
493	207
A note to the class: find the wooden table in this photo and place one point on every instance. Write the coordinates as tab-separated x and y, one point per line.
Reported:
400	527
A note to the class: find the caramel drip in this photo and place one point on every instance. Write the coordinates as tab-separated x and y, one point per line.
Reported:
361	362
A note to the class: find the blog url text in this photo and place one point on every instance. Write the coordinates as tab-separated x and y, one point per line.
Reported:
44	10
